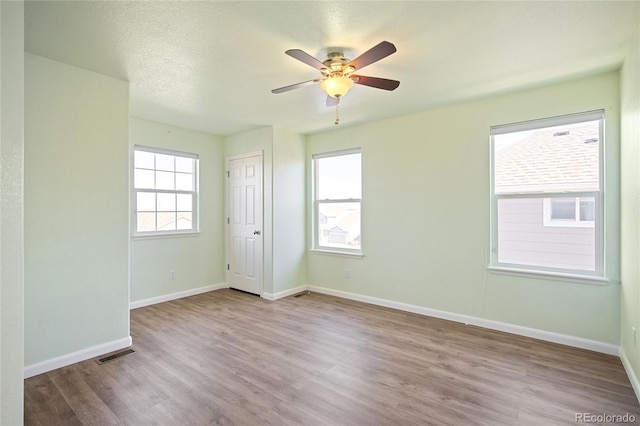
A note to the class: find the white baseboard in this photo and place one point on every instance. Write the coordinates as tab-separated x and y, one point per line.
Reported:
78	356
174	296
548	336
635	384
284	293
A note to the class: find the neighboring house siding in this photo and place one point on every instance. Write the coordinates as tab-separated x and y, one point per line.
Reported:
525	240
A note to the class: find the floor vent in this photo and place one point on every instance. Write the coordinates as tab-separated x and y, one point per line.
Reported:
304	293
114	356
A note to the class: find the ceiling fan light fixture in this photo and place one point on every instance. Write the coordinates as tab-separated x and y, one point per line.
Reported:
336	86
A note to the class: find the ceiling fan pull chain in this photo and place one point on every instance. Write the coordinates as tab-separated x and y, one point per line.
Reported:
337	115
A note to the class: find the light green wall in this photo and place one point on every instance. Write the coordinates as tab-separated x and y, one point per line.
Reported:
198	261
289	210
11	211
76	209
630	199
425	214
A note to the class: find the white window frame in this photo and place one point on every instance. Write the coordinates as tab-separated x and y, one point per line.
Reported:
599	274
195	193
315	246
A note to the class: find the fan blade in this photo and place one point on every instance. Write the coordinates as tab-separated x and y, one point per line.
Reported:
331	101
378	83
296	86
377	52
306	58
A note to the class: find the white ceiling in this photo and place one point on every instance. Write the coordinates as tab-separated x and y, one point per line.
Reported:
211	65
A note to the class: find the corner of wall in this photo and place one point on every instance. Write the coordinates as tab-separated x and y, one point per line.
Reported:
630	211
289	212
11	209
633	378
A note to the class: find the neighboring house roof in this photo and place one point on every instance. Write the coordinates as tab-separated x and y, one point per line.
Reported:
550	160
349	221
180	223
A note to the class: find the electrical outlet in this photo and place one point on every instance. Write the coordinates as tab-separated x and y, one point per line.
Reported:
172	275
347	273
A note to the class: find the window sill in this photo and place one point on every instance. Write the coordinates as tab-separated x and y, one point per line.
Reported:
163	235
556	276
337	253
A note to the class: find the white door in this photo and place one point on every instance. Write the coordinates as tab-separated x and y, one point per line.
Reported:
244	207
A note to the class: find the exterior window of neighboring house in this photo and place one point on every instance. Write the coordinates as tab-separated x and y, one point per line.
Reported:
165	192
547	195
337	189
570	212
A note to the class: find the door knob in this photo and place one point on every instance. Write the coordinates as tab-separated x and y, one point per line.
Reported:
256	232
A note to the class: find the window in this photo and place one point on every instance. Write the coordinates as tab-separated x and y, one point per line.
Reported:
570	212
337	201
547	195
165	191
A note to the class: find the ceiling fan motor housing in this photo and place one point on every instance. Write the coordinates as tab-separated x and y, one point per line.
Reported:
337	65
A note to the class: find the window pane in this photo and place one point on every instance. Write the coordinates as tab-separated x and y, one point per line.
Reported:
143	160
184	221
184	182
563	208
587	209
524	240
165	180
145	222
143	179
166	221
339	225
146	201
550	159
165	162
184	165
339	177
166	202
185	202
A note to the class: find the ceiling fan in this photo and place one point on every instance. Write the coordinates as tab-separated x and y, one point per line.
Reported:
338	72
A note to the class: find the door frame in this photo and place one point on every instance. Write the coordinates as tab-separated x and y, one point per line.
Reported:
227	214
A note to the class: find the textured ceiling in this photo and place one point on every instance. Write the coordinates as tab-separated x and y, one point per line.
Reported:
211	65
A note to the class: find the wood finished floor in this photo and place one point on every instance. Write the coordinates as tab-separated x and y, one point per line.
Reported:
226	357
